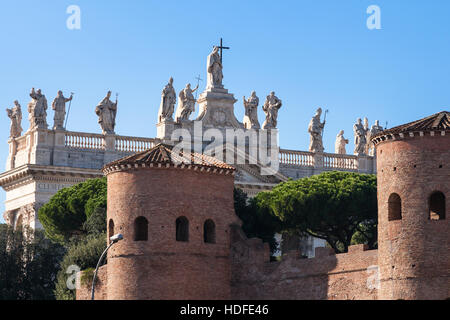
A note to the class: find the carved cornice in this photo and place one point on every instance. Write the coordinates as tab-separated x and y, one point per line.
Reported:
126	167
163	156
30	173
411	134
255	185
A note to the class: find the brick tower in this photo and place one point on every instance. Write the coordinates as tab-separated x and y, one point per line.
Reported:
175	219
413	203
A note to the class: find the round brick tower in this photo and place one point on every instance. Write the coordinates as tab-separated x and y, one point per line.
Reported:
413	163
175	219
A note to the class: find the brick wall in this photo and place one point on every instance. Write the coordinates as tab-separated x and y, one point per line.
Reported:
414	251
327	276
162	268
84	293
413	256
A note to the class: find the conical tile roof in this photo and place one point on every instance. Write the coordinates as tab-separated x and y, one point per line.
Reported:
437	122
164	155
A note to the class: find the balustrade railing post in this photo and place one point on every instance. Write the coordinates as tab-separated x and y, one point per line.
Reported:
318	161
109	142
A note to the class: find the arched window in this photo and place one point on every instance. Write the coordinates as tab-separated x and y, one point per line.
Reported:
209	232
111	228
140	229
394	207
437	206
182	232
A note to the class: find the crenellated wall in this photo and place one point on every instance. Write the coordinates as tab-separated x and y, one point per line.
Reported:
348	276
84	292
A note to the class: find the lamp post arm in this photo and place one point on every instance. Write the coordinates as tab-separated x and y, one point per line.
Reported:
96	269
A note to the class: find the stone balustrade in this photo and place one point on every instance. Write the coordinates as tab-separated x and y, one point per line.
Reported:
133	144
81	140
315	163
91	150
72	149
340	161
297	158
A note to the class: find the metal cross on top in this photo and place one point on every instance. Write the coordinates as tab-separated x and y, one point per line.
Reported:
221	47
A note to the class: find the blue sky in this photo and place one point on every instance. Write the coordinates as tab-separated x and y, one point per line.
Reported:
311	53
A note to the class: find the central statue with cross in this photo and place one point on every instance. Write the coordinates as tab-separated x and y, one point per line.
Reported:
215	67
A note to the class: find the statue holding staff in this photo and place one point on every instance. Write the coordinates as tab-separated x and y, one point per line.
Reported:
59	106
315	130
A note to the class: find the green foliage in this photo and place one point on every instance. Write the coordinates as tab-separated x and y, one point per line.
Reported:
96	223
66	212
257	221
28	264
331	206
87	277
83	254
367	233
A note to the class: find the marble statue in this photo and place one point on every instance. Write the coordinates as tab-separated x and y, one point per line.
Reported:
186	103
251	112
360	138
37	109
367	129
315	129
106	112
15	114
214	69
376	128
271	107
168	100
59	106
341	143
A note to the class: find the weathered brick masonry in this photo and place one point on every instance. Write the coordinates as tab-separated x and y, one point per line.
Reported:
413	231
414	251
327	276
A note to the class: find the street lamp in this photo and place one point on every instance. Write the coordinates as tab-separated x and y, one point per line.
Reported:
113	239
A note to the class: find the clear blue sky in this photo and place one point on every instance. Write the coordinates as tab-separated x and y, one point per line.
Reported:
311	53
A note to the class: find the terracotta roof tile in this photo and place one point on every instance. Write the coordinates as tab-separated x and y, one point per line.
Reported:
163	154
437	122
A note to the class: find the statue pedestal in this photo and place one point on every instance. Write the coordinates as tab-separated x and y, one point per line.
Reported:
12	154
217	109
318	160
165	129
